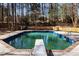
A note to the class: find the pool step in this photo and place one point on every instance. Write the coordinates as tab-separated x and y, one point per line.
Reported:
39	49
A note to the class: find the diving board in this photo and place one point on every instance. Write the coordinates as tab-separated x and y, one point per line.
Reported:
39	49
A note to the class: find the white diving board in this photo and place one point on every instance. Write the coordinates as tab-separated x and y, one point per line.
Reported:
39	49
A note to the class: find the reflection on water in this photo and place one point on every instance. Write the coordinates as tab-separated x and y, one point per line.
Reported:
51	41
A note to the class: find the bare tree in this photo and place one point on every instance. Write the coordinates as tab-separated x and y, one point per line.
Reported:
74	14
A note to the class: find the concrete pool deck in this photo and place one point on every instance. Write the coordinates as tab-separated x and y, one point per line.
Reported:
73	52
6	35
5	48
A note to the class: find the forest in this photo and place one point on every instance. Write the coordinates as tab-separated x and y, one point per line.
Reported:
14	16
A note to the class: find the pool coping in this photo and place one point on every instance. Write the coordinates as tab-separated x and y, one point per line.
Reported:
66	50
2	37
7	47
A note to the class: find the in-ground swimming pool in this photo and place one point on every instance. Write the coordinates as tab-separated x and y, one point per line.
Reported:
52	40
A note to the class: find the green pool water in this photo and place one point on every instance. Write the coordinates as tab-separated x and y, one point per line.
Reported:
51	41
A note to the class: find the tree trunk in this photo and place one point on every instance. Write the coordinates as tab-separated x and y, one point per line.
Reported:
74	14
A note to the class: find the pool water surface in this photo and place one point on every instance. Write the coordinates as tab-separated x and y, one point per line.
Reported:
52	40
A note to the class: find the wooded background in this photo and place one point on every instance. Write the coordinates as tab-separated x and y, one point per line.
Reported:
14	16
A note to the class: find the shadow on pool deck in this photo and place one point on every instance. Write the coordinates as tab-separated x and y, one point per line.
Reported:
49	53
